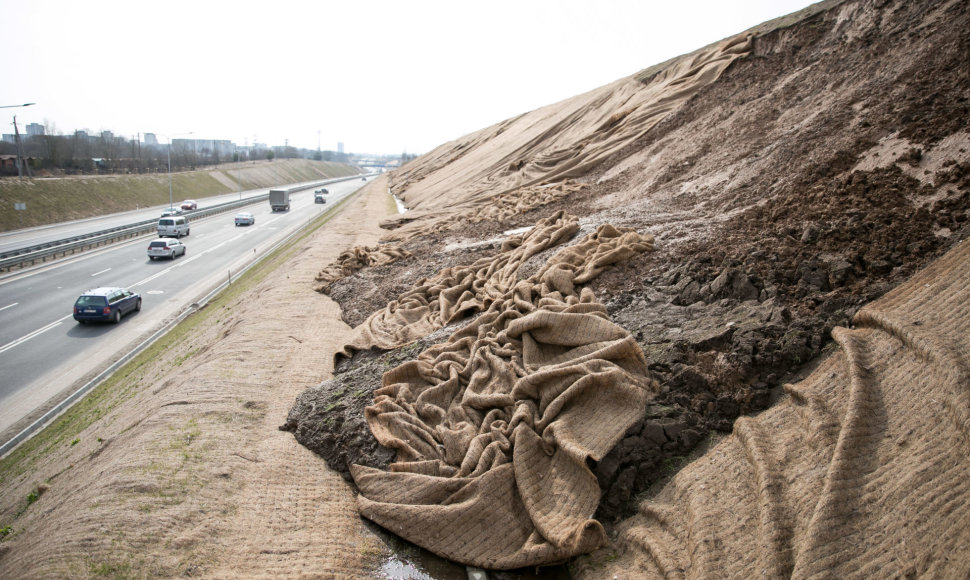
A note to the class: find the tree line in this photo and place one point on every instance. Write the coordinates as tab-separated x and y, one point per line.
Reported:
81	153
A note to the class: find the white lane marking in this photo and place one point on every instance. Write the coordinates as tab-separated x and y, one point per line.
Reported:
184	261
101	272
27	337
152	277
39	331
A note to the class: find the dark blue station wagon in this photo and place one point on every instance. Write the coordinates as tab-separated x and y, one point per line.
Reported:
106	304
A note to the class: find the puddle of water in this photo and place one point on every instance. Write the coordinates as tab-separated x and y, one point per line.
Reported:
395	568
410	562
423	565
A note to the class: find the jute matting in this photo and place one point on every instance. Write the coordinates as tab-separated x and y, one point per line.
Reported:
862	472
494	427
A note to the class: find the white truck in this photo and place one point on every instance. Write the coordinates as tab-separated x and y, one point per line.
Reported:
279	199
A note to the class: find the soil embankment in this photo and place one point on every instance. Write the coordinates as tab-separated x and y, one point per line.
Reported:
809	168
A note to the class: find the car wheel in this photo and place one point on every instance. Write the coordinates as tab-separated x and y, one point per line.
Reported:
138	305
116	317
186	232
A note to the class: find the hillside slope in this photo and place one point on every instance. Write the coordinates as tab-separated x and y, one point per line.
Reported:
801	171
682	264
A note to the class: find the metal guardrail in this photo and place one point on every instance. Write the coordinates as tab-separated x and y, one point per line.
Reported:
32	254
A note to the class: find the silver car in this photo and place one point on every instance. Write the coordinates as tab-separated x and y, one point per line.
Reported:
244	218
165	248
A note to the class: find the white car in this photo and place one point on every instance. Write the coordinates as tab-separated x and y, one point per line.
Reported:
165	248
244	218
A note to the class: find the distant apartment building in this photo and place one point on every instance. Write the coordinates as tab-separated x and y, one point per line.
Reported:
207	147
340	147
151	139
34	129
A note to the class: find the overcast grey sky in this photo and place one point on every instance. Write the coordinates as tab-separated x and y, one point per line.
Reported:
379	76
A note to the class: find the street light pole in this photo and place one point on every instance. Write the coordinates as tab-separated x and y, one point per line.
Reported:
21	160
169	151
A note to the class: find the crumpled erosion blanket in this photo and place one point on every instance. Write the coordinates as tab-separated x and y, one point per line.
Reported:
496	207
356	259
494	427
456	292
863	471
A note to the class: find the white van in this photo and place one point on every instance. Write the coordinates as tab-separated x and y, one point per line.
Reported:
174	226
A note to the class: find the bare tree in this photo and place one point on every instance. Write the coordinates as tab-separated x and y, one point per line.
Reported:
51	140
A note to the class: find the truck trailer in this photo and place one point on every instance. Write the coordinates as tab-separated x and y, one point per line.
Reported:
279	199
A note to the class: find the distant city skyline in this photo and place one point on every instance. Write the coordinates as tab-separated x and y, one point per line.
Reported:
147	138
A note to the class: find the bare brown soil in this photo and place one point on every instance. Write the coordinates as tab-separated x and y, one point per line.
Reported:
774	223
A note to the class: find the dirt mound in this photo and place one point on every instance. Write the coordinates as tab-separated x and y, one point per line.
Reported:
815	174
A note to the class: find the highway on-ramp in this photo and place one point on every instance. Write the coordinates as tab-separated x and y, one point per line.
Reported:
45	354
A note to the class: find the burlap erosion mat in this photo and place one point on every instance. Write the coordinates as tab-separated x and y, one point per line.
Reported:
862	472
494	427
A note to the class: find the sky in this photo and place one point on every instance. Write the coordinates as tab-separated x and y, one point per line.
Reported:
385	77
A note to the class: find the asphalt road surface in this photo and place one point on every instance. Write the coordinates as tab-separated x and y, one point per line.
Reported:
45	354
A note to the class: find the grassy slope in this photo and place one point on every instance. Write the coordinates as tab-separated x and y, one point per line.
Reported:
53	200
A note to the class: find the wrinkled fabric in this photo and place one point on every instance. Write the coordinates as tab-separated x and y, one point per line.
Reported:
862	472
356	259
493	428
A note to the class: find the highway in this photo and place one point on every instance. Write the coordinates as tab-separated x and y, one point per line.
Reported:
54	232
45	354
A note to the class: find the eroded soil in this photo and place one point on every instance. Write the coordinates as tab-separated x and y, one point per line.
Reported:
780	208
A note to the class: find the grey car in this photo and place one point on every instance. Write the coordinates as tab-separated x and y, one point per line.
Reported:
165	248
